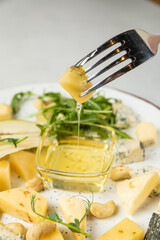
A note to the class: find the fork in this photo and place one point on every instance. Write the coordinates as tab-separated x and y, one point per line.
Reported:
139	46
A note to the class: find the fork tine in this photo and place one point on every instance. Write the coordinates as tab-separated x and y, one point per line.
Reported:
113	64
94	53
110	78
109	55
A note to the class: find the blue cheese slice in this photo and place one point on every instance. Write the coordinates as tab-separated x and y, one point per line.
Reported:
6	234
130	151
147	169
153	231
124	116
134	192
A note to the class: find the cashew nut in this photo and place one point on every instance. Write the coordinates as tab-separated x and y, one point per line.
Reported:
103	210
119	173
38	230
36	184
16	228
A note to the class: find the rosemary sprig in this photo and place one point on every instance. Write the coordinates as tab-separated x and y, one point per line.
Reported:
53	216
13	141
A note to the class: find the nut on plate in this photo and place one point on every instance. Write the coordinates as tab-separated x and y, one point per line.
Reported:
103	210
120	172
16	228
36	184
38	230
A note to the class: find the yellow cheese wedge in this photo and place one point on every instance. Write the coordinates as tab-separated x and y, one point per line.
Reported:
146	133
5	175
71	208
74	81
125	230
17	203
23	163
5	112
133	192
53	236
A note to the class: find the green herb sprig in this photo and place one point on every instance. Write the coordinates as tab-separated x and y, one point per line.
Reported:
13	141
18	98
53	216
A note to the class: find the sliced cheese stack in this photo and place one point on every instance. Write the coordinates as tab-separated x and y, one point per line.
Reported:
125	230
71	208
17	203
133	192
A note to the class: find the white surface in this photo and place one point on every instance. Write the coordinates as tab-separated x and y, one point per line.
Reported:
96	227
39	39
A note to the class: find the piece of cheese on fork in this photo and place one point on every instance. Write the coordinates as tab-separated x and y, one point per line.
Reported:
74	81
134	192
71	208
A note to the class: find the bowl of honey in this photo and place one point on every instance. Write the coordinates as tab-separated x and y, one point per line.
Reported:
76	162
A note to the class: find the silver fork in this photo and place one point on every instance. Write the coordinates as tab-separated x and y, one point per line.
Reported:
139	46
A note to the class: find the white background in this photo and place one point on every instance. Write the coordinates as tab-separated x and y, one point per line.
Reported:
39	39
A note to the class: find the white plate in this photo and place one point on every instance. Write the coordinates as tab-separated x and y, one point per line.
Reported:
96	227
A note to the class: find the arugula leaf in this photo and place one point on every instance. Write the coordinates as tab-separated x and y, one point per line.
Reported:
13	141
17	99
97	110
52	216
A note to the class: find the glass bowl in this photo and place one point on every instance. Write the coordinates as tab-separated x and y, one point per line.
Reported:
76	163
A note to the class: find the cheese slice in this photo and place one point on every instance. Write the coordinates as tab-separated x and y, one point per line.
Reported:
133	192
74	81
125	230
53	236
17	203
71	208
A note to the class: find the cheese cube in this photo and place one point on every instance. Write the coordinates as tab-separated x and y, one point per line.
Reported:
125	230
5	112
74	81
71	208
130	151
53	236
146	133
17	203
5	175
23	163
124	116
6	234
159	207
133	192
